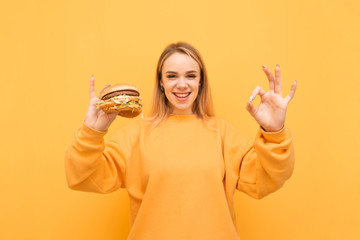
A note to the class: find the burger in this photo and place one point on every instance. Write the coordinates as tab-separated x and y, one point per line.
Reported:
122	98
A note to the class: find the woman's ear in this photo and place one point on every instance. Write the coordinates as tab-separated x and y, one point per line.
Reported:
161	86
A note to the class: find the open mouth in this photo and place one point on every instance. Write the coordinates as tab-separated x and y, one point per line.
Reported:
182	95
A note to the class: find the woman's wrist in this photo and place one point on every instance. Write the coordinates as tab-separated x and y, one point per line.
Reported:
272	129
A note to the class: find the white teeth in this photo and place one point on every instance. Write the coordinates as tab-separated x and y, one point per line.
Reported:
182	94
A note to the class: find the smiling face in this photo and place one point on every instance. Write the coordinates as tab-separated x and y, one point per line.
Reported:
180	80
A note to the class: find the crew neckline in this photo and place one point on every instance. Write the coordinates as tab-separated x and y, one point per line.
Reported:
183	116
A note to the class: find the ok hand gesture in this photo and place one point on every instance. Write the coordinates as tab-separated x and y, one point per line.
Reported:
271	112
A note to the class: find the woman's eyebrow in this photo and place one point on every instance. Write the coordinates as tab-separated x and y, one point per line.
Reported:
186	72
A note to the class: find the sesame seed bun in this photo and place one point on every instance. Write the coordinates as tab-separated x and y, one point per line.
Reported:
119	87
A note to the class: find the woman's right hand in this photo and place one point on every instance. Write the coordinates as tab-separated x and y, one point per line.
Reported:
95	117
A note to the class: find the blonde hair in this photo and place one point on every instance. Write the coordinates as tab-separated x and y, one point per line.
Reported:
203	105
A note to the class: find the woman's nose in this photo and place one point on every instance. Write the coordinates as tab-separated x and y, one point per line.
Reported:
181	83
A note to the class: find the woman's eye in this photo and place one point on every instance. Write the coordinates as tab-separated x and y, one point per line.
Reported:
192	76
171	76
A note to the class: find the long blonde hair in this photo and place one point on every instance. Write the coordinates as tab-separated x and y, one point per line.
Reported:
203	105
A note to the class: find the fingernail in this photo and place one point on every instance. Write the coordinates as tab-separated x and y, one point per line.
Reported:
264	66
277	65
251	98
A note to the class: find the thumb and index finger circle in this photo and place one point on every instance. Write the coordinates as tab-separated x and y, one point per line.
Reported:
257	91
249	106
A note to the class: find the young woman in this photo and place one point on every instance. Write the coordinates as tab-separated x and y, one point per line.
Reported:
182	165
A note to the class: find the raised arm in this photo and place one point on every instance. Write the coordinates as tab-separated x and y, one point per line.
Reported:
262	164
91	163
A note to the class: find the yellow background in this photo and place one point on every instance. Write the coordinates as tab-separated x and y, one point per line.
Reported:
49	49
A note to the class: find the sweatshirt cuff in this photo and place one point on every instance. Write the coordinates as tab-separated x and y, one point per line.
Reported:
90	133
275	137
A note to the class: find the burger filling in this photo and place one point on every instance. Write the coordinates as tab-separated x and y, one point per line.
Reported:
122	101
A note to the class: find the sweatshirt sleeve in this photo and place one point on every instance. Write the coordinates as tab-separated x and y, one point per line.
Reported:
261	165
93	164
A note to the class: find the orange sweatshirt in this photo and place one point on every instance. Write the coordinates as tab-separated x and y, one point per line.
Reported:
181	175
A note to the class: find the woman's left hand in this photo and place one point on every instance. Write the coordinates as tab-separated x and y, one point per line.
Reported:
271	112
